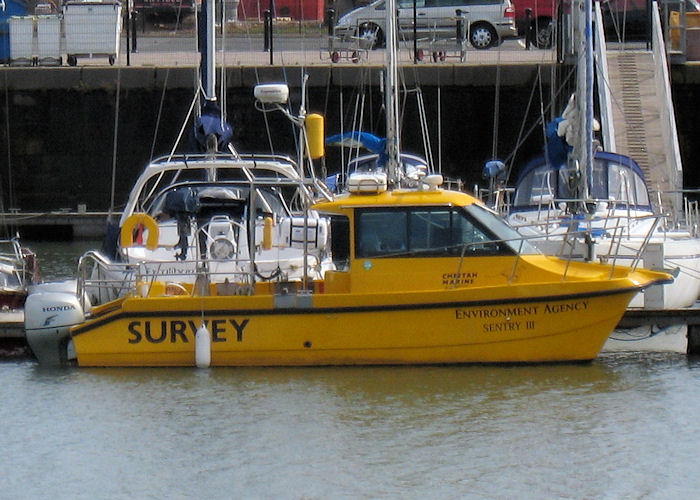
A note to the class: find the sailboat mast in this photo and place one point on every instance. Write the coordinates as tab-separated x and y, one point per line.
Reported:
588	7
391	96
584	96
208	39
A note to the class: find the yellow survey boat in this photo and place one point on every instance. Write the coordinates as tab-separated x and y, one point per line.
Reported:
396	270
421	276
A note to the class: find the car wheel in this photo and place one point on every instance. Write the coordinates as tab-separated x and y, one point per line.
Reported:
543	33
371	30
483	36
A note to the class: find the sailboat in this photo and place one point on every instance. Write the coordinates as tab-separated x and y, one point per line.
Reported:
19	272
580	201
419	275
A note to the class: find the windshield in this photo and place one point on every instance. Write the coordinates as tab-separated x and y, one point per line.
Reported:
501	230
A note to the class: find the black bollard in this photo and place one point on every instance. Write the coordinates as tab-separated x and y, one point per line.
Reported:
267	17
330	20
128	38
133	31
461	32
528	28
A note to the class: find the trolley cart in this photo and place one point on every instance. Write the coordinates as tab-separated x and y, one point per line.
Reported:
351	42
92	29
441	47
354	49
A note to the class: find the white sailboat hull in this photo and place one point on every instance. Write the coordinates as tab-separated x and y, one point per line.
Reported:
648	339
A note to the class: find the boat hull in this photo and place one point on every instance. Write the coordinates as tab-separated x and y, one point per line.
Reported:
251	331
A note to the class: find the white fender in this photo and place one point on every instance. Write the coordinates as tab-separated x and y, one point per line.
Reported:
202	347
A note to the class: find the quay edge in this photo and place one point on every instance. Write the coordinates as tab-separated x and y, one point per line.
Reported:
149	77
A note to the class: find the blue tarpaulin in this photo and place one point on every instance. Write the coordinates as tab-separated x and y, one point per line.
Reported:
353	139
8	8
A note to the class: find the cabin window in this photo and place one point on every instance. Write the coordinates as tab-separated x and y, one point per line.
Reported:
425	232
340	241
626	186
431	230
542	186
381	233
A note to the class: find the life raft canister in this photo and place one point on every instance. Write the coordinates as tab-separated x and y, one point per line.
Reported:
132	222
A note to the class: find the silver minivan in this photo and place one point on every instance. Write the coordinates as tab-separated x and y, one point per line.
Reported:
489	21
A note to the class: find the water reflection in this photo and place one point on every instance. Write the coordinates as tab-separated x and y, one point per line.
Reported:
622	426
59	260
593	430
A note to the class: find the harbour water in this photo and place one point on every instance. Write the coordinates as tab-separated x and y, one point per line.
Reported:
624	426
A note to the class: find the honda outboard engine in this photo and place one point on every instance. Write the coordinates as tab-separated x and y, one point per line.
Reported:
48	318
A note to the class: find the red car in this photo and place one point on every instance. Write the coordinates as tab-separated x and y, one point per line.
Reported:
623	19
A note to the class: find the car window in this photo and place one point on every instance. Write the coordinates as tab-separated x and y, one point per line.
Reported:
408	4
481	2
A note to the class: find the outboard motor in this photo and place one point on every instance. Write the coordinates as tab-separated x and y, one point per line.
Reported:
182	203
48	318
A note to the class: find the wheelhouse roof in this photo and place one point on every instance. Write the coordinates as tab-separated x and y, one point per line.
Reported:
397	198
606	156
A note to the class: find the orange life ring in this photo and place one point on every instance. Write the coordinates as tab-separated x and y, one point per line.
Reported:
139	219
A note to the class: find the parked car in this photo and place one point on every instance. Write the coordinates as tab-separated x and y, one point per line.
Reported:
623	19
539	26
490	21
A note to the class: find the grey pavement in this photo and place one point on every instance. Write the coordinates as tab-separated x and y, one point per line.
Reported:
174	51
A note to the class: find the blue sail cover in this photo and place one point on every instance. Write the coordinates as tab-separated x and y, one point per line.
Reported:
556	148
210	123
371	142
362	139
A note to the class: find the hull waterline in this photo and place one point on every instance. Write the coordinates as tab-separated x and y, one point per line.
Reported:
573	328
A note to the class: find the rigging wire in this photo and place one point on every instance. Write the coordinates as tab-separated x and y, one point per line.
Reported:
115	143
9	151
7	228
541	120
439	124
510	161
160	113
496	107
222	78
178	14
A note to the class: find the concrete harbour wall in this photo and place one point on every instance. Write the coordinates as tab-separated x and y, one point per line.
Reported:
59	123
